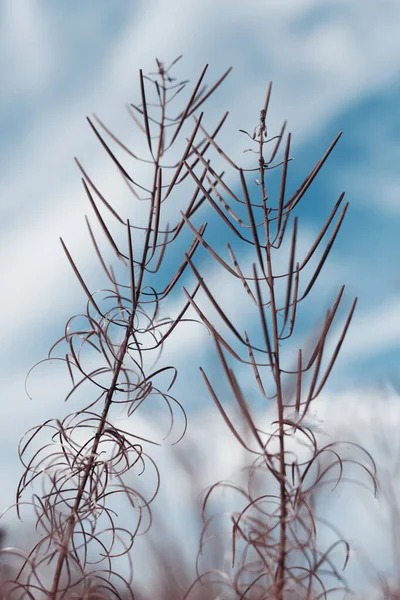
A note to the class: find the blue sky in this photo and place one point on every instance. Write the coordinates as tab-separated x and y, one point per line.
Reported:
335	66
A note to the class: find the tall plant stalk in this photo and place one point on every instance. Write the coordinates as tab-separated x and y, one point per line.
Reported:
272	536
83	467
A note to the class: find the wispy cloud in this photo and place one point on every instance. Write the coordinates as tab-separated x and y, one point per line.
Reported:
29	50
323	60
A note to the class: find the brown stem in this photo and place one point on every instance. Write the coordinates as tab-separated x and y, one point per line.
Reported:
72	518
280	571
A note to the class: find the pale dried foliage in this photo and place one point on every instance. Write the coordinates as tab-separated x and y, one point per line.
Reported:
82	461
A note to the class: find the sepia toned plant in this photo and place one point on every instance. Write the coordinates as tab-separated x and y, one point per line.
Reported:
82	459
274	536
87	465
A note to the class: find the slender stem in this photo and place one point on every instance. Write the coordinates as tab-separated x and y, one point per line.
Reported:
103	419
280	572
73	516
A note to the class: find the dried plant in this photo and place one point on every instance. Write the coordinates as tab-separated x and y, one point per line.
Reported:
82	461
276	529
382	576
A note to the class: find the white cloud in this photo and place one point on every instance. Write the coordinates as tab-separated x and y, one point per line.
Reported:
328	66
371	331
209	453
318	70
29	48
